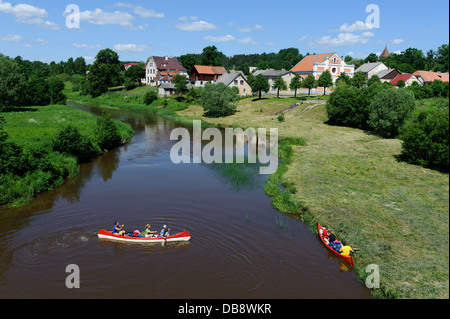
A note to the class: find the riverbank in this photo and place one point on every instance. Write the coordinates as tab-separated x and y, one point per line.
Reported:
33	129
350	180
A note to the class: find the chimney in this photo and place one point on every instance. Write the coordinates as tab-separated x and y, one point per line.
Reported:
167	58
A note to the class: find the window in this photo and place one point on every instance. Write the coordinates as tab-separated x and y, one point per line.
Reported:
333	70
242	82
235	82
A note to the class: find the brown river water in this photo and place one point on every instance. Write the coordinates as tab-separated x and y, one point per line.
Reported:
241	247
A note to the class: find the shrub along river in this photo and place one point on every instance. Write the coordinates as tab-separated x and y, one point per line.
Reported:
241	247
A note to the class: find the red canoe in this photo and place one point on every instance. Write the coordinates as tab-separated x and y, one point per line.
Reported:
347	259
184	236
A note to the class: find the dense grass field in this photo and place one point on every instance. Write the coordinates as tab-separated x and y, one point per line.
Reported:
351	180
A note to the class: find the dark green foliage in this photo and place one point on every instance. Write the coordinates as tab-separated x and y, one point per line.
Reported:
55	91
104	73
388	111
344	107
426	139
150	97
325	81
106	133
259	84
279	85
219	100
70	141
309	83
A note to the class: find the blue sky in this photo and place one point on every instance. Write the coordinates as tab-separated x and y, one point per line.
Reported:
137	29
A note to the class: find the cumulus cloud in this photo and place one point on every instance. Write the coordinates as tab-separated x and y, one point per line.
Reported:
130	48
141	11
397	41
87	46
100	17
28	14
11	38
358	26
248	40
343	40
196	26
256	27
225	38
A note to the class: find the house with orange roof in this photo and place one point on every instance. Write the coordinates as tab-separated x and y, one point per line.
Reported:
317	64
202	74
425	77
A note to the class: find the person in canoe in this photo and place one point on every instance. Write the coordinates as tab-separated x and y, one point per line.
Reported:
148	233
165	232
346	250
118	229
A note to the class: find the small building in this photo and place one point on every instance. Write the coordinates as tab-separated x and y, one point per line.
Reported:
236	79
372	68
202	74
407	78
271	75
385	53
166	89
317	64
388	75
155	65
426	77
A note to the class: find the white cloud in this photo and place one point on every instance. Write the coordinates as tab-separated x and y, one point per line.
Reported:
247	41
141	11
356	27
11	38
130	48
225	38
343	39
196	26
42	41
397	41
187	18
86	46
28	14
256	27
100	17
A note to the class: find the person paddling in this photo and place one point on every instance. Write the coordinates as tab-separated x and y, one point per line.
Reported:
118	229
148	233
164	232
346	249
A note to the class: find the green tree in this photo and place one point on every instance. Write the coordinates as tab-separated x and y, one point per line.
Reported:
359	80
373	80
279	84
11	83
180	84
55	91
135	73
388	111
70	141
105	72
296	83
211	56
188	61
106	132
401	83
325	81
309	83
260	84
219	100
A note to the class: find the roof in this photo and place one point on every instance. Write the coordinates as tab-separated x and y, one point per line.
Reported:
167	63
384	73
308	62
367	67
429	76
167	86
230	76
209	69
405	77
271	73
385	53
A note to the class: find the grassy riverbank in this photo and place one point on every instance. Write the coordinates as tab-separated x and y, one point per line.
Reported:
33	130
350	180
396	213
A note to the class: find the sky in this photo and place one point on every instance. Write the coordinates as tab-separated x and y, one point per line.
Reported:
49	30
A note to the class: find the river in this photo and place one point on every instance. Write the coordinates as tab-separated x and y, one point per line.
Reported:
241	247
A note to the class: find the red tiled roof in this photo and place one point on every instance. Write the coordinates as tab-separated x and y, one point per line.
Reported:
404	77
166	63
210	70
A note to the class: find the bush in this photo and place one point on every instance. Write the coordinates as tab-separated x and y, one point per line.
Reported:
106	132
426	140
344	107
70	141
219	100
150	97
388	111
